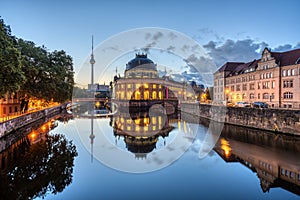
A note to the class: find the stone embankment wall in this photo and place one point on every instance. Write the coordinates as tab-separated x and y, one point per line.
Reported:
16	123
281	120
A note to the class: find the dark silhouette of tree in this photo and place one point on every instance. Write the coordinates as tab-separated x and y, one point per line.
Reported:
43	167
11	75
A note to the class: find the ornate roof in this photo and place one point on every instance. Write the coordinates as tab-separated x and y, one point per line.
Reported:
141	61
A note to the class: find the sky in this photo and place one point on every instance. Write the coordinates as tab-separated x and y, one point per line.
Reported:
227	30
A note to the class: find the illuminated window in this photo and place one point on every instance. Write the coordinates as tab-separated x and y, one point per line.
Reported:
137	128
128	95
153	119
137	95
128	128
159	95
153	128
129	86
154	95
159	120
146	95
145	85
154	86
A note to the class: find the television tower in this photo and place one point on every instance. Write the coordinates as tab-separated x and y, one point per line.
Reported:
92	61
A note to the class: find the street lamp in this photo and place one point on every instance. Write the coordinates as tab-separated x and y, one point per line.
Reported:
226	93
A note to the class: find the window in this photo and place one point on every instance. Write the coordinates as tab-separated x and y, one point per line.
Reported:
232	88
288	84
244	86
251	86
4	110
238	87
292	175
251	95
265	96
288	72
258	96
283	73
258	86
288	95
273	84
282	171
244	96
293	72
271	75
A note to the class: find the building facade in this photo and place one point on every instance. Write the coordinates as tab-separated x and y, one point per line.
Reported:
9	105
273	79
141	83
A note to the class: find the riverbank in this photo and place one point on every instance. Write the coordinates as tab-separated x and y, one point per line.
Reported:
276	120
16	123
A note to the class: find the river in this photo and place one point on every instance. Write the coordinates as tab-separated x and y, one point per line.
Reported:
146	156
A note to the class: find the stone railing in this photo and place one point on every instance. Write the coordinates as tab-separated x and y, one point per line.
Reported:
25	119
281	120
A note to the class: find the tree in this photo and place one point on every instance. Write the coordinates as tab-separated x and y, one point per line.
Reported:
11	75
62	75
207	94
49	76
43	167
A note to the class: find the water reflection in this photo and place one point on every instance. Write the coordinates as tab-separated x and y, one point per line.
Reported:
34	162
136	140
274	158
141	130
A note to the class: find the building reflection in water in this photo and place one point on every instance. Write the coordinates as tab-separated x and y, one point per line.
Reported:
32	157
141	130
274	158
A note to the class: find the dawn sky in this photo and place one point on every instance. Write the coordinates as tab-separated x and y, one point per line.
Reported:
69	25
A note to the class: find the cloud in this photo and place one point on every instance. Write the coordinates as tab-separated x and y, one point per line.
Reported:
297	46
285	47
200	63
157	35
241	50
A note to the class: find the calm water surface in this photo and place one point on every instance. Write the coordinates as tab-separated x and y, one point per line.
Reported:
67	159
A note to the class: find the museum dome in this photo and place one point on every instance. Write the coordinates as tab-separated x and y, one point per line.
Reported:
141	61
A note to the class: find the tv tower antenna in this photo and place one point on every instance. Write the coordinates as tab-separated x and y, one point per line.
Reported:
92	61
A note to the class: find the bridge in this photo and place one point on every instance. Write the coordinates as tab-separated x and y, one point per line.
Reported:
90	99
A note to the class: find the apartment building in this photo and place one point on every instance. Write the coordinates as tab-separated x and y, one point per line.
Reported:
273	79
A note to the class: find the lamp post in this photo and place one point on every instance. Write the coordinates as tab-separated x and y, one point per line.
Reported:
226	93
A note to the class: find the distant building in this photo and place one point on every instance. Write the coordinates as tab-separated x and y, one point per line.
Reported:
142	85
9	105
273	79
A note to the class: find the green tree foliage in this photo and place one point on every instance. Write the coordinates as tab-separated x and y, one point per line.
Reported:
32	70
49	75
11	75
